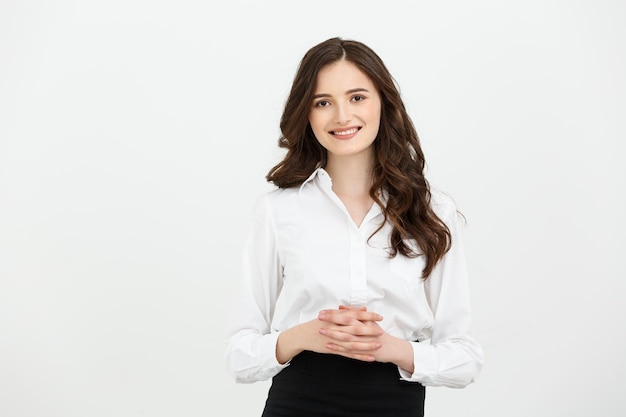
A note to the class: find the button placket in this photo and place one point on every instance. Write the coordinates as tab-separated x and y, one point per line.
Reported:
358	269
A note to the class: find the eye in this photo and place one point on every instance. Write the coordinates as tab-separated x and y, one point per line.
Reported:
322	103
358	98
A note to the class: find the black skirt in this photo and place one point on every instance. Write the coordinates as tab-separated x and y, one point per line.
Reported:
321	385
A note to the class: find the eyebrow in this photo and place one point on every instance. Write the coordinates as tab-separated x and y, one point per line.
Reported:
351	91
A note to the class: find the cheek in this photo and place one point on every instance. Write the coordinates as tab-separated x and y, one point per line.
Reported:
316	124
373	110
376	113
373	115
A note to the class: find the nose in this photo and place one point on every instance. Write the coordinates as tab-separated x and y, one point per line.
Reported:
342	115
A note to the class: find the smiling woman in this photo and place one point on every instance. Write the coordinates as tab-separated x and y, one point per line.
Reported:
346	112
364	257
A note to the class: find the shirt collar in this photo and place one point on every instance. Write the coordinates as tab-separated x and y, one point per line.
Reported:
323	176
324	179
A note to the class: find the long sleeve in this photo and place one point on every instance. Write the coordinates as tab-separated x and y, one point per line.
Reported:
250	345
452	357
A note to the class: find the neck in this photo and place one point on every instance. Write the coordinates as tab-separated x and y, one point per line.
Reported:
352	176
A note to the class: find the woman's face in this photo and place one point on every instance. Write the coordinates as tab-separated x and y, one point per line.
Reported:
345	113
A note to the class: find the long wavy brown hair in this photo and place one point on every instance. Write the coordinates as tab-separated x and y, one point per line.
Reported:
399	160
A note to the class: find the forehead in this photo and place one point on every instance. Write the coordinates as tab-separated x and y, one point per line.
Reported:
341	76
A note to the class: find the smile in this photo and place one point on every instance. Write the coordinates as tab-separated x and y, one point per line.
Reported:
346	132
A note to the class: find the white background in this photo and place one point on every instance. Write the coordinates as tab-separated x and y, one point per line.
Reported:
135	136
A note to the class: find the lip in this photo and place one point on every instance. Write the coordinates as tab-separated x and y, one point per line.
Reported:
345	133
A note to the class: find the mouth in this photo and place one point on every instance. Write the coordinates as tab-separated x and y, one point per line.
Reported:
345	133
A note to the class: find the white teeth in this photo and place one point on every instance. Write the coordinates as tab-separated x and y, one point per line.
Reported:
346	132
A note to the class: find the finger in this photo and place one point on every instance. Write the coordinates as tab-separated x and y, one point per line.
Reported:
363	315
357	356
348	316
348	333
354	347
360	313
344	307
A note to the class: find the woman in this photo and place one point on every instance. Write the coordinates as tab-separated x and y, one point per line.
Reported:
355	292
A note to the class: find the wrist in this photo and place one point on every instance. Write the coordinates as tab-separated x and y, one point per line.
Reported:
399	352
406	357
289	344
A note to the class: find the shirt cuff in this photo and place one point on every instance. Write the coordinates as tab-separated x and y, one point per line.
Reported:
268	347
256	361
425	364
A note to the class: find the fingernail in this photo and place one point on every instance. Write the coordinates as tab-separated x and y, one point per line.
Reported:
323	331
322	314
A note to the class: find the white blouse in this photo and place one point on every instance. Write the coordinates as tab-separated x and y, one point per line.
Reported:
304	253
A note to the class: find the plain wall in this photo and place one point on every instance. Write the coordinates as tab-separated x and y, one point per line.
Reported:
135	136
